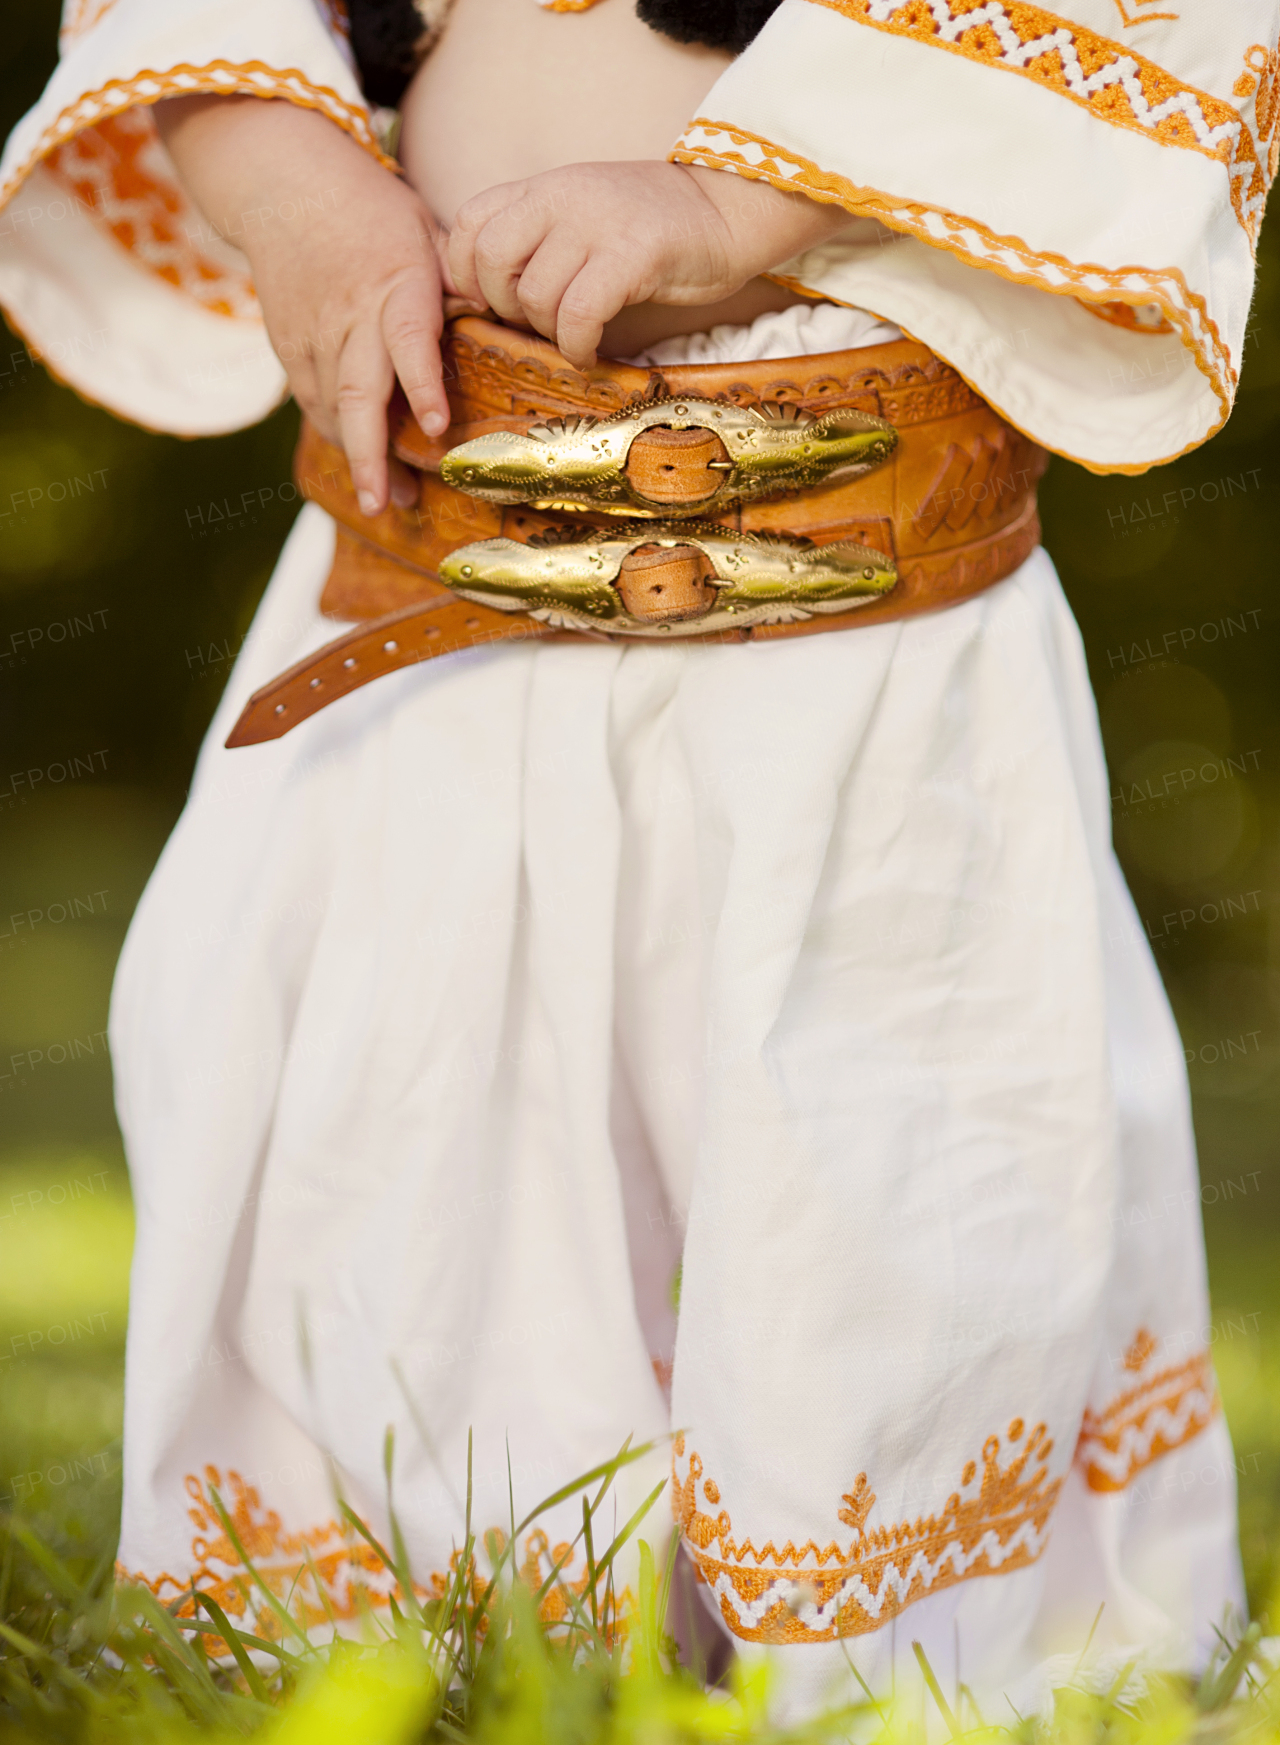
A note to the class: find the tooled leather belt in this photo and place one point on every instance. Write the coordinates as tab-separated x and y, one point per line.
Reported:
721	502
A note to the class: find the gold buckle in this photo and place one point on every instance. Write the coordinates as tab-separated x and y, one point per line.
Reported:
667	579
648	461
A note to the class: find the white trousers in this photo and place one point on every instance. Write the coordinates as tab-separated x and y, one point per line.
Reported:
451	1021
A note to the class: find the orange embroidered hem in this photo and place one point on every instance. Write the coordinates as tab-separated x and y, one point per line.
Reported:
1147	1420
1110	81
328	1574
718	145
809	1593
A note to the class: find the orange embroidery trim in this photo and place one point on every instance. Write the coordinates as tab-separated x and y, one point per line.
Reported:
1144	1346
1141	18
1108	80
1265	80
719	145
319	1573
81	16
249	78
1136	317
1147	1420
810	1593
326	1574
106	168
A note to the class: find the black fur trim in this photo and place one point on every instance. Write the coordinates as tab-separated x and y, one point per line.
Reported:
725	24
383	35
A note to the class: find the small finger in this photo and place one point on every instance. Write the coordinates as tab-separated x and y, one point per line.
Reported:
543	283
504	249
469	221
308	391
364	381
605	285
411	321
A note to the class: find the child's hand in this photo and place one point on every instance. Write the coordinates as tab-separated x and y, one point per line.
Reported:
349	280
566	250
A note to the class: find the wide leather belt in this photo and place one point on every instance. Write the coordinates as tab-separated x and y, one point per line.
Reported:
716	502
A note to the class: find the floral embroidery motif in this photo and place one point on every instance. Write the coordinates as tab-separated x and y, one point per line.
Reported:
996	1522
112	169
1112	83
326	1574
1147	1420
323	1573
718	145
1143	1347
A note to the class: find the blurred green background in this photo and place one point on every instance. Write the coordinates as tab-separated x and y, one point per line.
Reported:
1178	607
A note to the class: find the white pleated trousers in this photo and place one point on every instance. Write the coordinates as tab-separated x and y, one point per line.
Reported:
452	1023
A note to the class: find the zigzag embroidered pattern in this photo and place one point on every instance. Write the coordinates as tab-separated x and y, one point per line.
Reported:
809	1593
1112	83
718	145
1146	1421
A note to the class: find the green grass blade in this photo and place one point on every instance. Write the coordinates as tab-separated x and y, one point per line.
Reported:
620	1540
1217	1689
51	1567
607	1469
288	1624
231	1636
589	1548
935	1690
69	1680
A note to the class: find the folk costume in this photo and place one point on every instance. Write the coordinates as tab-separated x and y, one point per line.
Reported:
460	1013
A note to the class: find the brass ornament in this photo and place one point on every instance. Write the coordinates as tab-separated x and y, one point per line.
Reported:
684	578
588	463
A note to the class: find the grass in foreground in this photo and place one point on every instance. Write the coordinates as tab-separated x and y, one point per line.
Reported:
509	1658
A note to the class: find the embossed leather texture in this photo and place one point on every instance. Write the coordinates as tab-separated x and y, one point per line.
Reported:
951	510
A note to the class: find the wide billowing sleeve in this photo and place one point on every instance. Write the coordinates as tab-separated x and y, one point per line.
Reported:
1066	205
106	269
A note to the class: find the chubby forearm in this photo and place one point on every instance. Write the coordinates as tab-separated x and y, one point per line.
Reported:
763	225
252	163
343	257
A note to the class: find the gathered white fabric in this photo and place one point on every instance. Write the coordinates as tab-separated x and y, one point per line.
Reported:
452	1021
803	330
449	1021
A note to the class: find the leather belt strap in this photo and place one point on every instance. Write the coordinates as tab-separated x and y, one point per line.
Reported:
946	510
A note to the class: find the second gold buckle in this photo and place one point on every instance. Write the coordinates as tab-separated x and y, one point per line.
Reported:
672	579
